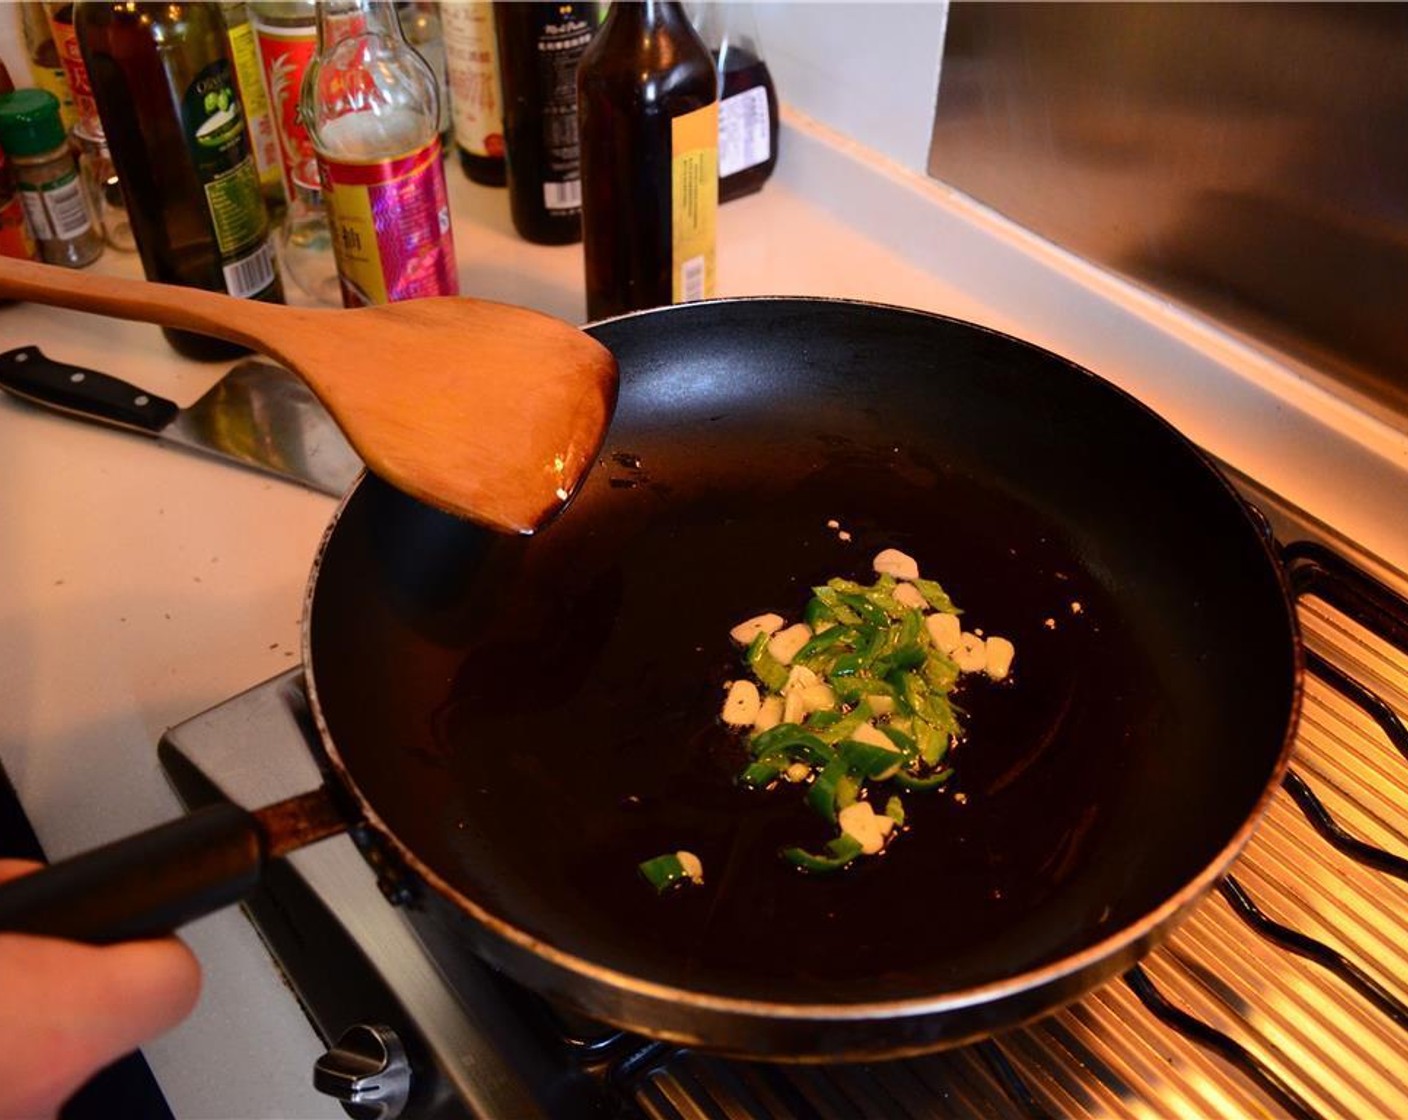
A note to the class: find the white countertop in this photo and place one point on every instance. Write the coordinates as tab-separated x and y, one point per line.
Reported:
142	585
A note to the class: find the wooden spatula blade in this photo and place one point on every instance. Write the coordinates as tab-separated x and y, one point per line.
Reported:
499	420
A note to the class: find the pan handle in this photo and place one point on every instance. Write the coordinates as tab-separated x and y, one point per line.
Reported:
148	884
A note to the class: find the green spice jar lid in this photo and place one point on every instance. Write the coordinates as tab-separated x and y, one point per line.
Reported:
29	122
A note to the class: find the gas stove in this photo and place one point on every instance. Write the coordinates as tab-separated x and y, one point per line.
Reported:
1285	993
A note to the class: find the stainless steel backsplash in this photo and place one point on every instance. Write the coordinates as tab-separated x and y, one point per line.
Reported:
1248	160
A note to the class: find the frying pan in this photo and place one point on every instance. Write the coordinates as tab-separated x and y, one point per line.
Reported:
509	725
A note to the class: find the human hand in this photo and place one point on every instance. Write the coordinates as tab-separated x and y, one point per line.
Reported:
67	1010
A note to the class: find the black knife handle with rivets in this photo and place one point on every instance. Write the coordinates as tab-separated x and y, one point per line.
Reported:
29	374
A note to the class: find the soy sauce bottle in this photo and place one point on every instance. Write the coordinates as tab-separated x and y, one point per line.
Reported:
540	46
648	105
748	131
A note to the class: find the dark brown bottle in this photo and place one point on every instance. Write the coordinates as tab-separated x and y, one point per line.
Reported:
748	131
648	102
166	91
539	48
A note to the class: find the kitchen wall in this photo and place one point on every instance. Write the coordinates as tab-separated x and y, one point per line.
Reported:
1245	159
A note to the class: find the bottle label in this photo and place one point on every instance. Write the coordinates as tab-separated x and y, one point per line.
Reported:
71	58
214	125
285	53
391	228
745	133
53	80
58	209
15	238
694	190
560	45
471	58
262	134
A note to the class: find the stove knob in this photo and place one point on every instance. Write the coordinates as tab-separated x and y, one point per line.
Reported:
367	1071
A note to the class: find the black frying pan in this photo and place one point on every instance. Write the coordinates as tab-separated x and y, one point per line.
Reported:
518	723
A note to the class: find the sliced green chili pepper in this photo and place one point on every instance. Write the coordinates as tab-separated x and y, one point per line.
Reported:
907	780
816	613
765	666
823	643
843	849
663	872
935	596
831	600
894	809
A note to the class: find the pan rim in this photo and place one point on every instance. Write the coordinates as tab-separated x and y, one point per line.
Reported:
1137	937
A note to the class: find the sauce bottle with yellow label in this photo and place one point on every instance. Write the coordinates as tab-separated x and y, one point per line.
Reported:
647	96
371	106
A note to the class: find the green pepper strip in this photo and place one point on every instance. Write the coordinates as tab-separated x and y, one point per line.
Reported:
765	666
832	602
932	781
843	849
869	613
663	872
866	759
762	773
843	727
819	721
908	747
821	795
894	809
935	595
837	635
940	672
933	743
817	612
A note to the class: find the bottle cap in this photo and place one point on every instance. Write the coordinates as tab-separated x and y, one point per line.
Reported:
29	122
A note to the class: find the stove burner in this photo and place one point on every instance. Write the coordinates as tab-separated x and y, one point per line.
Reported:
1285	991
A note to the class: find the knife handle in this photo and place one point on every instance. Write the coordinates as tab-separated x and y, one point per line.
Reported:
85	393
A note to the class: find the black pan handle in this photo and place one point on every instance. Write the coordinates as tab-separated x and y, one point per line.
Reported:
29	374
149	884
144	885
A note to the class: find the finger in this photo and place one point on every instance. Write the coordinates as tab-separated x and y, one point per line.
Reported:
67	1010
13	868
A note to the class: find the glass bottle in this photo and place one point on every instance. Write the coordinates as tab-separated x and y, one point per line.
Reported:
540	46
370	104
649	126
748	132
166	91
421	24
472	66
80	90
55	201
286	32
263	136
45	66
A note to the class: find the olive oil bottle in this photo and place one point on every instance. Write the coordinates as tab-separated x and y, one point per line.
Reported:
647	95
167	93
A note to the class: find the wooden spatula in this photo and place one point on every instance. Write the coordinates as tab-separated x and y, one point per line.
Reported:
482	409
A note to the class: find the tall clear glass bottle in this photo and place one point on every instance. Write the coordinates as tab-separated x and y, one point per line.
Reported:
371	107
286	33
648	104
165	86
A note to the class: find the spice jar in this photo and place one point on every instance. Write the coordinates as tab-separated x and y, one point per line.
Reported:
47	176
